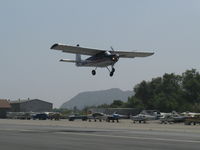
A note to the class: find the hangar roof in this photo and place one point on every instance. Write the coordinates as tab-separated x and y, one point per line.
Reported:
24	101
4	104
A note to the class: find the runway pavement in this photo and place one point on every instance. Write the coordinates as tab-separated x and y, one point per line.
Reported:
78	135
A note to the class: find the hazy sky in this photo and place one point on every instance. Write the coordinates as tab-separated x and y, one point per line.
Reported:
29	69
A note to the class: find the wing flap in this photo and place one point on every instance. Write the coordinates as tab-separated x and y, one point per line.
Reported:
76	49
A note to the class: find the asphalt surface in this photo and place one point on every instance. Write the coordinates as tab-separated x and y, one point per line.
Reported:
37	136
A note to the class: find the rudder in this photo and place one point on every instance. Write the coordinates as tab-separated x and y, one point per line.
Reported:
78	59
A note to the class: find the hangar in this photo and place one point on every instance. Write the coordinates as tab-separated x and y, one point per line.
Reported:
4	108
31	105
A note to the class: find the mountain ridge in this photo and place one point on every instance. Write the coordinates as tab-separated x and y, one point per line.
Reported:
95	98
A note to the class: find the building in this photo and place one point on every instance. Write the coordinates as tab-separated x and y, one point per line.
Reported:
4	108
33	105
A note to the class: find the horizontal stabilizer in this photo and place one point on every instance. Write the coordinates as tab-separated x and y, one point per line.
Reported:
68	60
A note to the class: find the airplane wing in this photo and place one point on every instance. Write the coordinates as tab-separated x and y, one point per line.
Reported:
89	51
124	54
76	49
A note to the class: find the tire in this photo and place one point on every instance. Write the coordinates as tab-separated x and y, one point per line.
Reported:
93	72
111	74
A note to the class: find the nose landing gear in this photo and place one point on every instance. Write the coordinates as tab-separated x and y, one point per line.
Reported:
112	71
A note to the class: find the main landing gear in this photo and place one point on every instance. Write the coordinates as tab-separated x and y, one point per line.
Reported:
93	72
111	72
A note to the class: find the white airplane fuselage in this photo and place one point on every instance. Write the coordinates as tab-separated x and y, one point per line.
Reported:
98	61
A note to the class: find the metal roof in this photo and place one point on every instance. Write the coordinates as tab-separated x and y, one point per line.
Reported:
28	100
4	104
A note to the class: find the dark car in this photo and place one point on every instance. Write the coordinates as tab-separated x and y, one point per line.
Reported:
41	116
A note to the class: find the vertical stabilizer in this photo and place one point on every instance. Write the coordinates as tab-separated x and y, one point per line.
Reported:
78	59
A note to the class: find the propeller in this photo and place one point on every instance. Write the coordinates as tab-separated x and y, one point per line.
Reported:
115	56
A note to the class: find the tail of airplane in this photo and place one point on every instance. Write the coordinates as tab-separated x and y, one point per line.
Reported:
78	59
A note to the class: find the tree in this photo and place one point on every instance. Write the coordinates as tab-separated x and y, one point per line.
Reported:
143	92
117	104
191	86
169	92
134	102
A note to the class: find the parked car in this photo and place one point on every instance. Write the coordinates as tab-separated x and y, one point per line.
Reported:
40	116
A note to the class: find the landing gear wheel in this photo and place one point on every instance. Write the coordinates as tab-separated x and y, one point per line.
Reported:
111	74
93	72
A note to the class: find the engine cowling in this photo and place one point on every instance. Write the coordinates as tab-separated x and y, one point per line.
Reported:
107	53
115	57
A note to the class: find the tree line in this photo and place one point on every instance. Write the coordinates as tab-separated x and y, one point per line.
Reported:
166	93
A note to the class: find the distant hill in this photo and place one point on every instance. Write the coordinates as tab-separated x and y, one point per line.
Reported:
95	98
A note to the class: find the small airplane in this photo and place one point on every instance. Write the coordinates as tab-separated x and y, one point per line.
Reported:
98	58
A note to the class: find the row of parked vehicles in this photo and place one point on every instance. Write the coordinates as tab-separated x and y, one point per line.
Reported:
173	117
143	117
33	115
96	117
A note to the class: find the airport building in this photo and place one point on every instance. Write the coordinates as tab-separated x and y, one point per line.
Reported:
31	105
4	108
